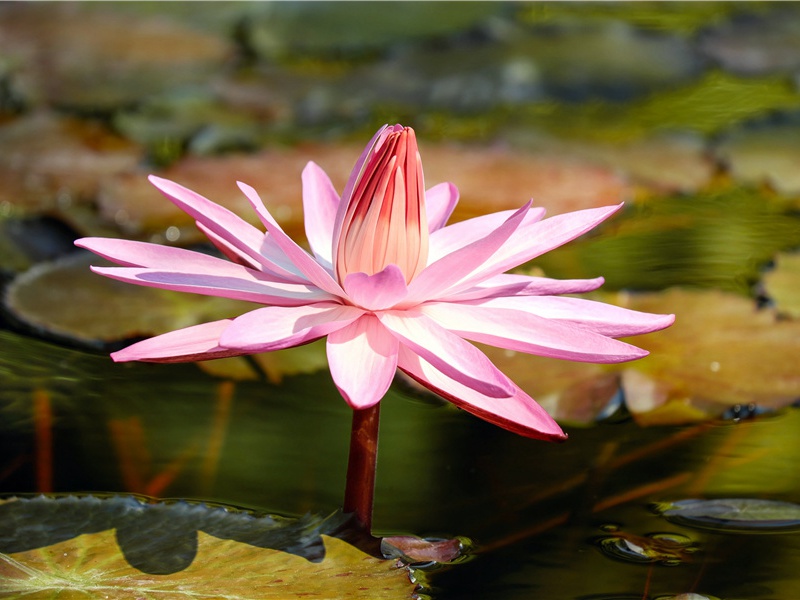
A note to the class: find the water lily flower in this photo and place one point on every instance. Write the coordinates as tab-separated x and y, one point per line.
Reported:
390	284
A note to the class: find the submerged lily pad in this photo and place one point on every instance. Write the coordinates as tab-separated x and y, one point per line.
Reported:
122	547
750	515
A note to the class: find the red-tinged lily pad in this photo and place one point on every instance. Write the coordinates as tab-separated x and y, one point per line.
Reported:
67	54
122	548
48	163
782	284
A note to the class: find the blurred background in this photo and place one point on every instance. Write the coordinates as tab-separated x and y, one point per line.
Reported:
689	112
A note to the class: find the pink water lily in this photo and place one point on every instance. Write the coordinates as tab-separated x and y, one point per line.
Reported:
390	285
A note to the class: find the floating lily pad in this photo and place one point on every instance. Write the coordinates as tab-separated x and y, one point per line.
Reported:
122	547
100	59
764	154
66	299
782	284
755	44
49	163
751	515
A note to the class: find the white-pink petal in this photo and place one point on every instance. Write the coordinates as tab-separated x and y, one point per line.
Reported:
320	203
440	201
239	234
199	342
447	352
439	277
277	327
524	332
380	291
305	263
518	413
219	283
508	284
535	239
363	360
599	317
453	237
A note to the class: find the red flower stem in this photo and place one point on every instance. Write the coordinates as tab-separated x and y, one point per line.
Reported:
360	486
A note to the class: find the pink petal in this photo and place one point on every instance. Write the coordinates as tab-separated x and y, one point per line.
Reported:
219	282
315	272
363	360
379	291
239	234
523	285
276	264
535	239
278	327
518	413
447	352
453	237
199	342
599	317
524	332
154	256
439	276
320	203
440	202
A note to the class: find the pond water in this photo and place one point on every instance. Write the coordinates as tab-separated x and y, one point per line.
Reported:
575	520
688	112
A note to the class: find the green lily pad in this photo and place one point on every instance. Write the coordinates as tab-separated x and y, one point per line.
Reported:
751	515
122	547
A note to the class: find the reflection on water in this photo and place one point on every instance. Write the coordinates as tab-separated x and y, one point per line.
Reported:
535	511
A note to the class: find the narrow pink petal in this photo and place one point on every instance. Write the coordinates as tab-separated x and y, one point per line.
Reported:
239	234
363	360
518	413
199	342
320	203
231	252
277	264
440	201
379	291
446	272
130	253
454	237
447	352
522	285
219	283
599	317
278	327
305	263
535	239
524	332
